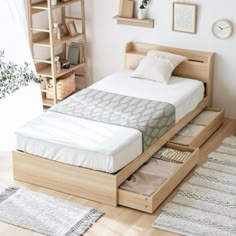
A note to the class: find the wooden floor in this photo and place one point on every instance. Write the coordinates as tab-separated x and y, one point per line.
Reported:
116	221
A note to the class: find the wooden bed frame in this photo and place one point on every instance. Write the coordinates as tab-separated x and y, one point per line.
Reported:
100	186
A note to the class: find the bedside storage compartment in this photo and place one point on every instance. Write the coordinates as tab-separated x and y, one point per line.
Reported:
149	186
200	128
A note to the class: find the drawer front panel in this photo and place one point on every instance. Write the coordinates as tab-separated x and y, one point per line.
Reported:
150	203
200	129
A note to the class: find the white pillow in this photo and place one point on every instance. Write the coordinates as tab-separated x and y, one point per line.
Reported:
158	66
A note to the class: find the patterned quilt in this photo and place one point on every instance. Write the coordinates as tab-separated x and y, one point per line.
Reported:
151	118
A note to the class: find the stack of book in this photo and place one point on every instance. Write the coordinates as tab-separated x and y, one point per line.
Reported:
76	53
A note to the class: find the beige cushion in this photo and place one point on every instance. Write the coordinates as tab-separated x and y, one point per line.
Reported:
158	66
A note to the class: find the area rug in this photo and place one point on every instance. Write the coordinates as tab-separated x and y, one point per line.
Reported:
45	214
206	204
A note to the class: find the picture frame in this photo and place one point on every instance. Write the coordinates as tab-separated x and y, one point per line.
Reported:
71	27
126	8
64	30
184	17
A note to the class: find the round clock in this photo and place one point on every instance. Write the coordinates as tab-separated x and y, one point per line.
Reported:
222	29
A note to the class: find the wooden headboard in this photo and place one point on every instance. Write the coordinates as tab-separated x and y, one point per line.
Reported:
199	65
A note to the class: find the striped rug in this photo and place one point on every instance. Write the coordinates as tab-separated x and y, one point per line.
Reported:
206	204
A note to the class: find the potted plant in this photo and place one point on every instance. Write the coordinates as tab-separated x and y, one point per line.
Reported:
143	9
20	99
13	77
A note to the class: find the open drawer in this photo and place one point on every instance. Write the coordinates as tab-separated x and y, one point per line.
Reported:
149	203
200	128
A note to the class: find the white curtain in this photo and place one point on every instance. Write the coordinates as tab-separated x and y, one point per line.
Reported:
20	107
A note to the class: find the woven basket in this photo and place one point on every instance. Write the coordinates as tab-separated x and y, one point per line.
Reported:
65	86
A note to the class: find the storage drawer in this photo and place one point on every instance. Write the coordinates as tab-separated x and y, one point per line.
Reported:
200	128
150	203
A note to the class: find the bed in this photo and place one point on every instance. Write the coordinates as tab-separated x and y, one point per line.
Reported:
101	146
89	161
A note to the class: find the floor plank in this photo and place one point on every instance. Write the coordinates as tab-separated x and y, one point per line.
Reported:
117	221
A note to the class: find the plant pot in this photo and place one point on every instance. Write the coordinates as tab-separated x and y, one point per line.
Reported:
142	14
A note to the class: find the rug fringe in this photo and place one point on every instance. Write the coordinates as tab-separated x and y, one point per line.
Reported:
7	193
84	224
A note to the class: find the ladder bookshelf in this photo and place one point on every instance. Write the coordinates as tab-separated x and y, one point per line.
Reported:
44	38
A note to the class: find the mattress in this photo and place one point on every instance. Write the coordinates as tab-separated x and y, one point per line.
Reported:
100	146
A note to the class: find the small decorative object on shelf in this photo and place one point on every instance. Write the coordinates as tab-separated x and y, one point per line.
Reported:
57	64
63	29
54	2
142	13
71	28
65	65
56	31
126	8
65	86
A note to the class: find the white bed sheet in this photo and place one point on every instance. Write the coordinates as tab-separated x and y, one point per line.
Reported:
100	146
184	94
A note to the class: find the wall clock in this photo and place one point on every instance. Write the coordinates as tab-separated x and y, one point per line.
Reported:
222	29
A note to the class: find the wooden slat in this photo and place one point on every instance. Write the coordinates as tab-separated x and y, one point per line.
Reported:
45	42
40	30
73	18
44	6
84	40
42	61
147	23
47	72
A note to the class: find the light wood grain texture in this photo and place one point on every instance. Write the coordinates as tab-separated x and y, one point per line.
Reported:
147	23
208	129
43	6
70	179
150	203
117	221
199	65
52	52
126	8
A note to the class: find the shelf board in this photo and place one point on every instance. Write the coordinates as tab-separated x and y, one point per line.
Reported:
148	23
45	42
43	5
50	102
47	102
46	71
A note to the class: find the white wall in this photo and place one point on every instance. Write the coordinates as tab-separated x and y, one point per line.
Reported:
107	40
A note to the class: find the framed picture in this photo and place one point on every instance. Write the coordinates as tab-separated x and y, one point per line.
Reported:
184	17
126	8
71	28
64	30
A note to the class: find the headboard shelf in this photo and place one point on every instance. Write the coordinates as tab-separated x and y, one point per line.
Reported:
199	65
